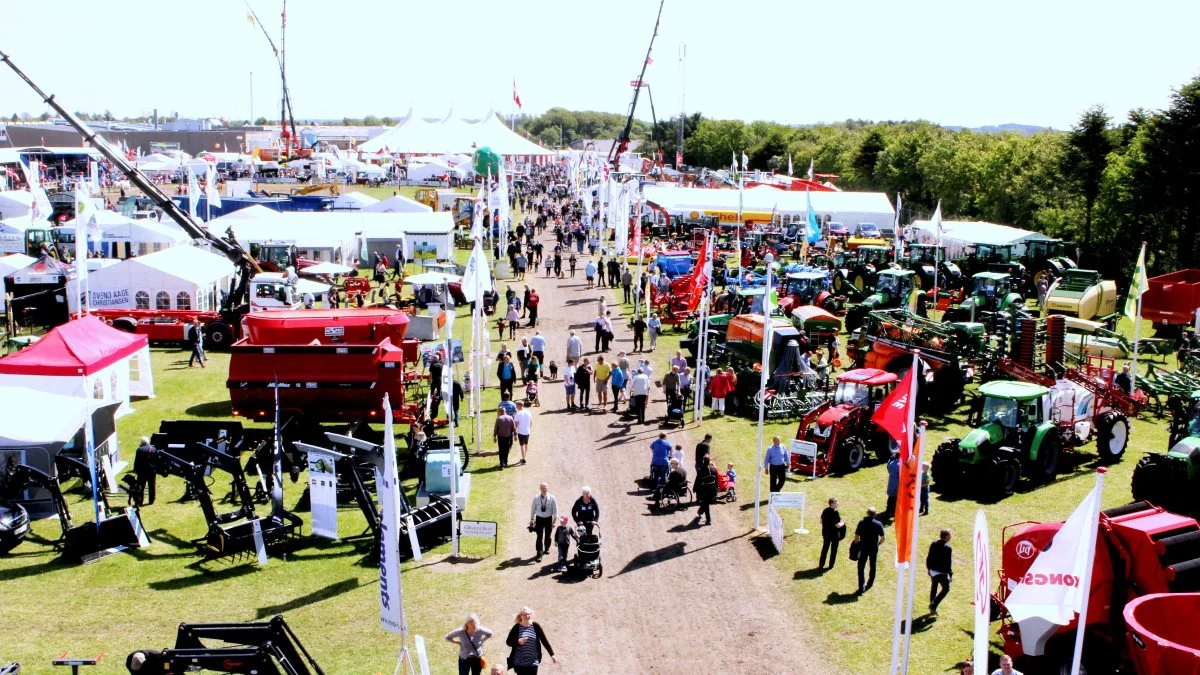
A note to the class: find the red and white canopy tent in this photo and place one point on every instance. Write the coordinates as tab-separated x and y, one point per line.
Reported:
85	358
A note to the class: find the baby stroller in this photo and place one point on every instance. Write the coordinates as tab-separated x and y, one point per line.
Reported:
726	488
676	407
531	394
587	552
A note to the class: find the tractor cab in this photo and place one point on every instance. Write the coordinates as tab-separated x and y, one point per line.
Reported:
893	289
990	292
991	285
924	259
807	288
980	257
895	283
1047	249
863	387
274	256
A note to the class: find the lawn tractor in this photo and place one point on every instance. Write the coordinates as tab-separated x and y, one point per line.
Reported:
1141	602
859	269
1173	478
263	647
1083	294
842	428
893	288
1024	428
990	292
924	259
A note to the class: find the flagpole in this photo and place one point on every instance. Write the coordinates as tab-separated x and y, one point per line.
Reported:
897	617
762	392
1139	275
446	389
900	568
896	233
702	353
912	556
1085	588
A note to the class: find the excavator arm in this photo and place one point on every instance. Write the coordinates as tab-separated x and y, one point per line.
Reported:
19	477
229	247
262	647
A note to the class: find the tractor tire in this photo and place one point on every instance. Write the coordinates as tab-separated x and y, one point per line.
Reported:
1113	437
126	324
839	283
946	391
946	469
851	453
1002	474
218	336
1049	457
917	282
855	317
860	282
1149	480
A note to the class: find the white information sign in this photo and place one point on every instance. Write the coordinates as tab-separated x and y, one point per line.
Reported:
322	492
775	527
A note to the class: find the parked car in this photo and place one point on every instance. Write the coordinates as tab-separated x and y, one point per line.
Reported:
868	231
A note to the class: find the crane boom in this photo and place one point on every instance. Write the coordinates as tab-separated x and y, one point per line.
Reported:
232	250
623	140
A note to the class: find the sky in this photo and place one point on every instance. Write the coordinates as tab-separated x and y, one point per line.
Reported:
955	63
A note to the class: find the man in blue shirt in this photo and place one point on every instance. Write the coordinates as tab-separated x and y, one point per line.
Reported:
893	483
506	403
537	344
660	458
775	463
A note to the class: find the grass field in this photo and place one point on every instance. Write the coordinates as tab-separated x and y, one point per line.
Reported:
328	592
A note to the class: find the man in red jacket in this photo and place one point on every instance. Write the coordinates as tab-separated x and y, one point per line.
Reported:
532	305
718	389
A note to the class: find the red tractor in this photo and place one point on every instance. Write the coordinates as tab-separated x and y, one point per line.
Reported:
1146	570
841	429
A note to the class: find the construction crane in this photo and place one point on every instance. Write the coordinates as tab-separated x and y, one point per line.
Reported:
622	143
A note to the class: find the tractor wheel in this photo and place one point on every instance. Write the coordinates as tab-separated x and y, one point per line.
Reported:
947	470
1049	456
1048	275
126	324
839	283
860	282
1148	483
917	283
218	335
1002	475
1113	437
850	455
854	318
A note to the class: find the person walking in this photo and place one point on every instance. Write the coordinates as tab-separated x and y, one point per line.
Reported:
639	394
868	535
589	273
775	463
616	379
705	488
537	346
532	303
503	431
543	513
626	285
639	333
893	484
143	467
524	420
563	534
527	640
655	327
470	639
601	373
569	384
926	477
507	373
833	529
574	347
598	326
937	562
583	382
196	341
660	459
586	509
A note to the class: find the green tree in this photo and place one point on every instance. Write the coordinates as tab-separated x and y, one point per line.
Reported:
14	118
1088	146
867	156
371	121
260	121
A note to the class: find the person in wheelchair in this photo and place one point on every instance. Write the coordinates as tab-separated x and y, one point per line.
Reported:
677	478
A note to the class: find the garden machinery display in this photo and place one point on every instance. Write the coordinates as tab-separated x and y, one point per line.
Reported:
1024	428
809	288
893	288
1142	597
924	259
1045	261
842	428
1082	293
1172	479
261	648
859	269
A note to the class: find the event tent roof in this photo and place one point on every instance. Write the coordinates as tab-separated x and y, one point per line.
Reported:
453	135
397	204
185	262
14	262
677	200
354	200
979	232
80	347
116	227
439	222
57	417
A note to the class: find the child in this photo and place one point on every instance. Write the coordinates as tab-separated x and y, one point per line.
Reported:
553	368
925	478
677	453
563	536
730	474
569	384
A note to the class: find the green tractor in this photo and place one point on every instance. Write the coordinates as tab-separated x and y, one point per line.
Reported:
893	288
1172	479
1024	428
1046	259
924	258
856	271
991	292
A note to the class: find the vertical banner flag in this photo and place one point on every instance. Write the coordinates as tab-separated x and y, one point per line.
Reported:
477	279
322	492
814	227
983	597
210	188
1053	589
895	415
937	222
94	176
516	98
906	501
700	276
193	193
83	216
387	482
810	169
789	165
1137	287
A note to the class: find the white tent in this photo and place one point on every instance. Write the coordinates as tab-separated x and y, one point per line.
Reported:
958	235
354	200
180	277
432	170
16	203
422	235
762	203
22	404
8	265
415	136
115	227
251	214
397	204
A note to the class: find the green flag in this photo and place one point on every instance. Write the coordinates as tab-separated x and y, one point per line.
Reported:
1137	287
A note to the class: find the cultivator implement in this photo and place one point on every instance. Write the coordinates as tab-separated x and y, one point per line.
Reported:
790	405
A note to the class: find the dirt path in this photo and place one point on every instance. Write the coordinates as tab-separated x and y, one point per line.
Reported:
675	597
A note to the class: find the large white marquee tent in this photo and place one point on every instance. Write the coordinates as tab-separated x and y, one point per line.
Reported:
181	277
415	136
